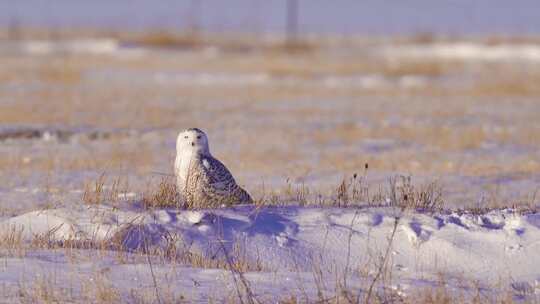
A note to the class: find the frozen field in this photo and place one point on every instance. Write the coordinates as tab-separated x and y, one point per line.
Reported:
87	134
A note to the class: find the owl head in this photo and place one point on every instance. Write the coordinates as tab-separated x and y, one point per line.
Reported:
192	140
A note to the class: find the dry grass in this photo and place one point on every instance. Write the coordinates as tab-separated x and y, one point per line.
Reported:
12	242
44	289
509	87
41	290
471	292
93	192
358	191
163	196
400	191
403	193
163	39
99	192
193	39
102	291
64	72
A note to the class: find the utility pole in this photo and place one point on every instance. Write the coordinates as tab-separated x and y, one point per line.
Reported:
14	29
194	16
292	21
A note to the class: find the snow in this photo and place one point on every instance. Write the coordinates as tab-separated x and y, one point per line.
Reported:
96	46
468	51
88	46
288	243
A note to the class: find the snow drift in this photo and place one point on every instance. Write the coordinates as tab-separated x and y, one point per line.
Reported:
500	246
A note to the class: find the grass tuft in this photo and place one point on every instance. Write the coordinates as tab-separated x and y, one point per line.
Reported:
164	196
98	192
427	197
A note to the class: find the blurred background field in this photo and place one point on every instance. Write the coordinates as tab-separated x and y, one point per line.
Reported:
291	94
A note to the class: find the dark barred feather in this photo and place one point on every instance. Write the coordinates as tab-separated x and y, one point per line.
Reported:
210	185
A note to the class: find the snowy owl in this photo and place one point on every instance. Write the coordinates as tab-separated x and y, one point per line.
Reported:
202	180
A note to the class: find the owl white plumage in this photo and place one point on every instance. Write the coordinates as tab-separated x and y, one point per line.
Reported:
203	181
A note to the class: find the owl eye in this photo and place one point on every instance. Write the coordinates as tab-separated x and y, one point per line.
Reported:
198	137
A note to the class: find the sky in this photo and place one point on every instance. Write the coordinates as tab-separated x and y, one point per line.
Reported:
376	17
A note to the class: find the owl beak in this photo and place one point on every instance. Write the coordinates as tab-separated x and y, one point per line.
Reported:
192	144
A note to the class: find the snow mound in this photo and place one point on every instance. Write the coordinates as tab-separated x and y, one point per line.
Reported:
489	247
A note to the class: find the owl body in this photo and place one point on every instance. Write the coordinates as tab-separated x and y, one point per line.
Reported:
203	181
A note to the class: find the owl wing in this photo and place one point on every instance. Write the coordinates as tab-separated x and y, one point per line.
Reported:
222	182
218	175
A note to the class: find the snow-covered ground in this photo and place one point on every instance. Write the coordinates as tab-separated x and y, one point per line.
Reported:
291	127
290	251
